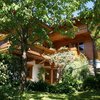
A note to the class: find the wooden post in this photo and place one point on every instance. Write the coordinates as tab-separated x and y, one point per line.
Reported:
94	56
51	74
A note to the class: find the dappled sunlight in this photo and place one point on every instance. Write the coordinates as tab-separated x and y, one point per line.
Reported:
45	96
86	95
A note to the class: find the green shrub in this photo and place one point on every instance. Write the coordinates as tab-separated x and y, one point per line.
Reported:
37	86
73	79
72	68
62	88
7	92
92	82
9	69
98	81
89	83
9	76
45	87
84	73
3	73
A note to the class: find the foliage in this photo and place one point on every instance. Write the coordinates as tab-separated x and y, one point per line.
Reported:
72	68
90	17
27	95
7	92
62	88
9	76
37	86
98	44
27	22
88	95
24	20
30	19
45	87
75	78
41	74
64	57
74	71
92	82
9	69
69	62
3	73
69	85
50	12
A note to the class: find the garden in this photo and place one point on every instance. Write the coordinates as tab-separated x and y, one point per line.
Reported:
26	23
75	83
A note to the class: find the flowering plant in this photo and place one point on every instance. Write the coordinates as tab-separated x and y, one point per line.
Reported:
65	59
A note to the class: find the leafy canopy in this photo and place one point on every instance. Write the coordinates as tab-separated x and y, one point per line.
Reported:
91	17
32	15
51	12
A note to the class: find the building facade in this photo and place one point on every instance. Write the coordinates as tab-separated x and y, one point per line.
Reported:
82	42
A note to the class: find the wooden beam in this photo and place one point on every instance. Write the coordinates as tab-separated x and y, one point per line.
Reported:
41	49
57	36
52	73
66	41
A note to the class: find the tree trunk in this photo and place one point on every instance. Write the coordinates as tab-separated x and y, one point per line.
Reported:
24	49
94	56
23	73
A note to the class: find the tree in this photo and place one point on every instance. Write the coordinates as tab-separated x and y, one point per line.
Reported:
27	21
24	21
65	60
91	17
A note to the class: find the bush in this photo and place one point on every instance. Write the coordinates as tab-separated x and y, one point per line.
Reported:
62	88
3	73
9	69
72	69
45	87
73	79
37	86
9	76
91	82
7	92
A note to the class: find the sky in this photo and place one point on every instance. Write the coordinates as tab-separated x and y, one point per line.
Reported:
89	5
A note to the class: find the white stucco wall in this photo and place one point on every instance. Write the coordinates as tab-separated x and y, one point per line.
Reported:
35	71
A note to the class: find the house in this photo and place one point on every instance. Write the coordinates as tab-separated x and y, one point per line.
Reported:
82	42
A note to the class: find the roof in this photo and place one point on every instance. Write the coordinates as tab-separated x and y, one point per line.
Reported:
4	47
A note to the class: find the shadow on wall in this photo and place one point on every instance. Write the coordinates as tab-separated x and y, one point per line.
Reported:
97	63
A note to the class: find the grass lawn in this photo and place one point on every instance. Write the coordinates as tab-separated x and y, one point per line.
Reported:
90	95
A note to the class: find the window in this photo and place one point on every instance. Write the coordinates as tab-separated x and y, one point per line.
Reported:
79	46
47	75
29	71
55	75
